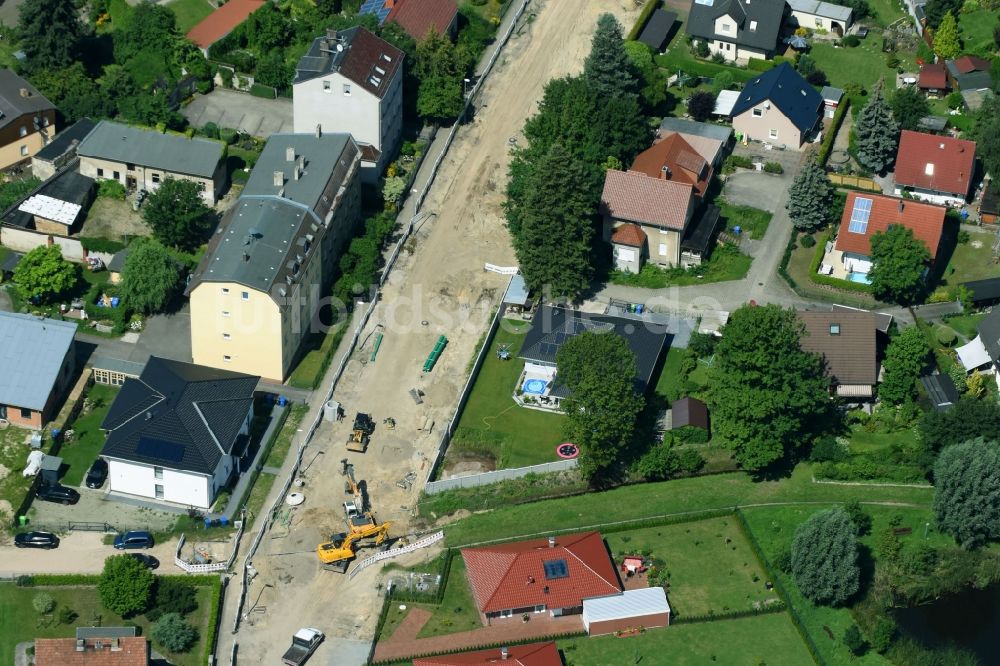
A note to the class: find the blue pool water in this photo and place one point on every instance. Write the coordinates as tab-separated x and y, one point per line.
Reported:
859	277
535	386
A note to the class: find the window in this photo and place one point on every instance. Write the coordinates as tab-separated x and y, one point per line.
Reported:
25	413
226	336
100	173
772	133
117	175
327	87
158	491
24	151
245	295
929	169
555	569
24	130
157	472
201	186
156	177
819	22
834	329
663	249
757	113
225	313
129	166
227	358
753	26
225	290
347	89
726	27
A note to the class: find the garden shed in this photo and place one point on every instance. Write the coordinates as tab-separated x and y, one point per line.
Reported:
646	608
689	412
940	390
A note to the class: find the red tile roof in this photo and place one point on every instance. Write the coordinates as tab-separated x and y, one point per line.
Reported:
933	77
62	652
629	234
222	21
534	654
636	197
512	575
967	64
926	222
417	17
365	53
938	163
683	163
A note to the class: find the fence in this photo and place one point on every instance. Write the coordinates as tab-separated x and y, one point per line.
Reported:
396	552
214	566
486	478
857	182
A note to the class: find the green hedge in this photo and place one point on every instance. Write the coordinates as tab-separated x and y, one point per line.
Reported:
814	275
838	117
213	616
260	90
101	245
728	615
52	580
785	258
640	23
865	468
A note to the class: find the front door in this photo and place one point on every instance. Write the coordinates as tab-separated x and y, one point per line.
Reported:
130	182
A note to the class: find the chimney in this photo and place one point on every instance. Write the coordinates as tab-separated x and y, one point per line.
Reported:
319	131
279	178
80	645
665	173
941	146
295	172
115	645
545	589
331	33
900	205
301	161
552	542
25	92
289	154
504	652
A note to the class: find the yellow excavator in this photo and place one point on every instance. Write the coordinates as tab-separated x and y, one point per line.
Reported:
337	553
356	510
360	435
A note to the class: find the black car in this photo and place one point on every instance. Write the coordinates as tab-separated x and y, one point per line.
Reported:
134	539
148	561
45	540
98	473
57	493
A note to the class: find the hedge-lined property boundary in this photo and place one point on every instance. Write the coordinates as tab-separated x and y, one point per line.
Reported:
831	135
836	283
640	23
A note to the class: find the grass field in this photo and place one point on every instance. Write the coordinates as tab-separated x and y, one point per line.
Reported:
493	424
457	611
864	64
726	263
976	31
734	581
765	639
313	364
189	12
88	438
751	221
886	11
969	262
966	324
19	621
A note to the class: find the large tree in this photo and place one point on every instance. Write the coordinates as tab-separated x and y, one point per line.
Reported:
608	69
986	132
909	106
935	11
947	44
50	32
967	492
125	585
150	28
825	558
74	92
810	198
877	133
904	362
599	370
553	245
652	79
700	105
968	419
177	213
899	263
149	277
440	71
767	393
43	275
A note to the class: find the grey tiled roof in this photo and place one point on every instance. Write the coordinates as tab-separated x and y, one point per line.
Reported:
172	153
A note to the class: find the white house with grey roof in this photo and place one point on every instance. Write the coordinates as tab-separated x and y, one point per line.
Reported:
256	293
179	432
819	15
352	81
141	159
37	360
737	29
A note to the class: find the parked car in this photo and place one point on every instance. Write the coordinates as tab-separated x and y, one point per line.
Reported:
131	540
57	493
45	540
98	473
148	561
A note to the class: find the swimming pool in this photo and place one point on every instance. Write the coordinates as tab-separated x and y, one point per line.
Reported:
534	386
859	277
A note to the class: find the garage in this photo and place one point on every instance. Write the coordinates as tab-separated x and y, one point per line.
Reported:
644	608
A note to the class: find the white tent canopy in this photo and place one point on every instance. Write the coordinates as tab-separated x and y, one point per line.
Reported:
973	355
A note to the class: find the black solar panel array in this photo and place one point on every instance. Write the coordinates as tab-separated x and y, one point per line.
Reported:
160	449
555	569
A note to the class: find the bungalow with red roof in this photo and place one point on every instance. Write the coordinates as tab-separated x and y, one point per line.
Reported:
418	17
867	214
533	654
221	22
938	169
933	79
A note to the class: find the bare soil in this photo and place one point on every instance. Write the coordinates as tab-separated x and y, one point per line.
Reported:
113	219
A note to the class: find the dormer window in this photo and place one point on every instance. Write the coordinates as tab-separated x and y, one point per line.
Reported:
753	26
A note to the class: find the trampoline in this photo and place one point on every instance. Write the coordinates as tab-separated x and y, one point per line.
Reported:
534	386
567	450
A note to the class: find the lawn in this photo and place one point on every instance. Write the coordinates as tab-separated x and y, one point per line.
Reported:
668	497
734	581
751	221
20	622
493	424
886	12
13	457
313	364
726	263
457	611
774	528
871	442
276	456
976	31
670	385
88	438
972	260
864	64
770	639
965	324
189	12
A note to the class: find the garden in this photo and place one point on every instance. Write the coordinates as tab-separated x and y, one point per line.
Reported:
84	439
725	263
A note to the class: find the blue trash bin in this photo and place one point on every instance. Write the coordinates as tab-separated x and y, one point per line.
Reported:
55	433
208	523
638	308
737	229
282	400
223	521
115	301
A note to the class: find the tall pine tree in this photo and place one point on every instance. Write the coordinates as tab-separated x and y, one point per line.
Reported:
810	198
877	132
608	69
947	44
553	246
50	32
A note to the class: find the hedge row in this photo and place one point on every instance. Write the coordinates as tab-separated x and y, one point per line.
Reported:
760	65
729	615
640	23
814	275
214	618
824	151
101	245
863	468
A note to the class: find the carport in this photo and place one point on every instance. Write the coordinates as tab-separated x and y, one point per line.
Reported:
646	608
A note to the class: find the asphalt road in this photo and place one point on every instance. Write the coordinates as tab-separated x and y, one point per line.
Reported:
78	552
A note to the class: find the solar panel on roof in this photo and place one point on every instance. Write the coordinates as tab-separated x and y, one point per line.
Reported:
555	569
377	7
160	449
859	215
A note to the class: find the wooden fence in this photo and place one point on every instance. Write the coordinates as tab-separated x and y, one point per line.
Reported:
857	182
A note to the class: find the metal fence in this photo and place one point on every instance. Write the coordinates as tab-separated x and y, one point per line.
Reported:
486	478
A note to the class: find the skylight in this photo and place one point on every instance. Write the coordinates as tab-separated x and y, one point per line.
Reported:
859	215
555	569
929	169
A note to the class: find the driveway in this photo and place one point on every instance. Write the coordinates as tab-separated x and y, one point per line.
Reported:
78	552
228	108
765	191
166	335
95	507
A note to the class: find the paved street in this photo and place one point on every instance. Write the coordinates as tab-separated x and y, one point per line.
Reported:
78	552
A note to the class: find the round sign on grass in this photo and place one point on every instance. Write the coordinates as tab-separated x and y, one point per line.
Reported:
567	450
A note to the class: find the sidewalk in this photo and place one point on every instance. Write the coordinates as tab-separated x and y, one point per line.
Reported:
245	479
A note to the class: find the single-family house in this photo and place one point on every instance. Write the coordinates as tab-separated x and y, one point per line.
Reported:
778	107
533	654
847	341
419	17
37	360
27	119
709	140
92	651
938	169
820	16
141	159
831	100
658	30
933	79
179	432
221	22
351	81
866	214
552	326
60	150
673	158
737	29
257	291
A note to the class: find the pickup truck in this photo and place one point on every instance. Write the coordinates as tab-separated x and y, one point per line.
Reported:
304	643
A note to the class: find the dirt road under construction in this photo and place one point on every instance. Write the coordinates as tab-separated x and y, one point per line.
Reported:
438	287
